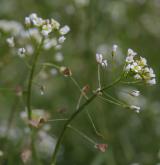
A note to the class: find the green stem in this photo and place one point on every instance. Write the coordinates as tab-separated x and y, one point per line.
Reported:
99	77
74	115
82	134
35	58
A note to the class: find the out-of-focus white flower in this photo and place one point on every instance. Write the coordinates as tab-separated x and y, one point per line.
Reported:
58	47
55	24
29	49
135	108
59	57
11	27
64	30
53	72
49	43
1	153
135	67
131	52
10	41
27	21
45	143
46	29
114	50
138	77
21	52
129	59
135	93
100	60
61	39
151	82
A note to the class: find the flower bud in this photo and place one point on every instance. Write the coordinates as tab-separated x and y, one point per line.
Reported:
65	71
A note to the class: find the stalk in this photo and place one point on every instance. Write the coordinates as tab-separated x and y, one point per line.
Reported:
30	82
74	115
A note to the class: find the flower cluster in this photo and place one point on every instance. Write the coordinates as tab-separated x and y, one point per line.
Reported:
100	60
137	66
37	28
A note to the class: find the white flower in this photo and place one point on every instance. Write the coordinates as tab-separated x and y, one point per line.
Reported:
101	61
138	77
151	81
99	58
21	52
114	49
64	30
135	93
59	57
143	61
135	67
131	52
135	108
49	43
27	21
61	39
10	41
55	24
46	29
104	63
129	59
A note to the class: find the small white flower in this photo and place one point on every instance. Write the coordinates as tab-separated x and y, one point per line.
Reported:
135	108
151	82
129	59
135	93
61	39
55	24
59	57
114	50
10	41
104	63
138	77
135	67
21	52
53	71
46	29
27	21
64	30
143	61
99	58
131	52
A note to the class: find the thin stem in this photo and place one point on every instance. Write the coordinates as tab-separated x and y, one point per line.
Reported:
51	65
131	82
99	77
82	134
53	120
31	78
78	86
110	101
111	97
74	115
79	101
93	125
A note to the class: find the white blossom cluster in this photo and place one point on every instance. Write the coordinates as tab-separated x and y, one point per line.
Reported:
100	60
37	28
137	66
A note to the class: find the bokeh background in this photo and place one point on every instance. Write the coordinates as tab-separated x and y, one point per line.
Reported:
133	139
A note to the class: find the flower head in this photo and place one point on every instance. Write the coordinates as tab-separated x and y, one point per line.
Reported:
21	52
100	60
137	66
135	108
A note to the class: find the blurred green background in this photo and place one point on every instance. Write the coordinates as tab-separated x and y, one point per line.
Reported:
133	139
